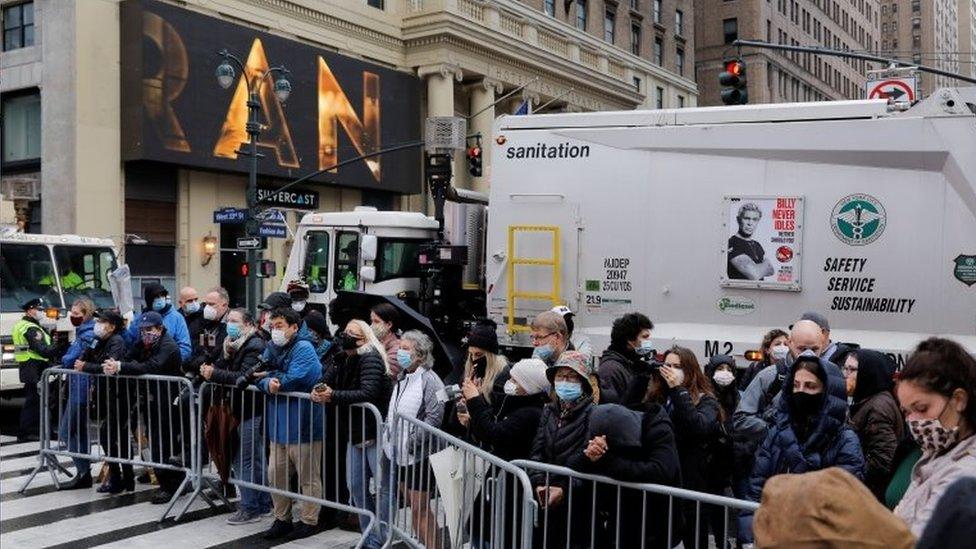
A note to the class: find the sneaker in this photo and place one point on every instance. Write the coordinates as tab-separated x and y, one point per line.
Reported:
243	517
302	530
267	514
279	529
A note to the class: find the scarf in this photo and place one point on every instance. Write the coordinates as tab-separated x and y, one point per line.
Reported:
231	347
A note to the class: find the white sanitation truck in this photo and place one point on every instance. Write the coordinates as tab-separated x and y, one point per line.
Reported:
718	223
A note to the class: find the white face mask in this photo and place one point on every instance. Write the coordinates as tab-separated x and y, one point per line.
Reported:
380	330
100	330
511	388
779	352
266	325
298	306
39	315
278	337
210	312
724	378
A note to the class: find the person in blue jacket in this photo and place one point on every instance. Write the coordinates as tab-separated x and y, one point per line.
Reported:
810	431
158	300
294	425
73	428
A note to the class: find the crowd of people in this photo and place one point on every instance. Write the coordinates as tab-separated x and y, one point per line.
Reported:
808	404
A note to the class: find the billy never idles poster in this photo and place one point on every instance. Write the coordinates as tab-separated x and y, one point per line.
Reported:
763	244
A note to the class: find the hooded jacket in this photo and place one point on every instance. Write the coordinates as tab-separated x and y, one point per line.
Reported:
826	509
292	420
561	437
876	418
173	321
830	441
226	371
616	371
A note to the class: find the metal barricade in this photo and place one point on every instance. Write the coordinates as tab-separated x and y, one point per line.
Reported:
288	446
443	492
139	421
599	512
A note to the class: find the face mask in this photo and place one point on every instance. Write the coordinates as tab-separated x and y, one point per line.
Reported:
76	320
380	330
931	435
149	338
38	315
159	304
278	337
511	388
543	353
233	330
479	365
568	391
210	312
346	341
191	307
724	378
805	404
404	359
779	353
644	348
266	325
808	352
298	306
100	330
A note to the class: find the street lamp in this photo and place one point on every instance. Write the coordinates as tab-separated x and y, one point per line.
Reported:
226	74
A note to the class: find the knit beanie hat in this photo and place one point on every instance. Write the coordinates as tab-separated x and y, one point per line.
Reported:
484	336
530	373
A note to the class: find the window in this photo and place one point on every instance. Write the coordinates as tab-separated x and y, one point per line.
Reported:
378	4
609	18
730	30
635	39
316	268
637	83
18	26
659	97
635	5
679	61
23	270
21	132
397	258
681	101
549	6
84	273
581	15
347	261
658	51
679	22
657	11
884	27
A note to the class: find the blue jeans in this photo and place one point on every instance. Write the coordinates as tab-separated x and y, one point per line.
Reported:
250	466
361	468
73	430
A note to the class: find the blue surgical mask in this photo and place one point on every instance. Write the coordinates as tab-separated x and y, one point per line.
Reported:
191	307
569	391
404	359
159	304
645	347
543	352
233	330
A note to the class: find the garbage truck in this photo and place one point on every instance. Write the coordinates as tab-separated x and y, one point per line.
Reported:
719	223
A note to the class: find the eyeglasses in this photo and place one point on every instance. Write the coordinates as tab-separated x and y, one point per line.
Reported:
534	337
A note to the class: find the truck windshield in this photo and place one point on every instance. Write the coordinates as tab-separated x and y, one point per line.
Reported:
398	258
26	272
84	273
316	268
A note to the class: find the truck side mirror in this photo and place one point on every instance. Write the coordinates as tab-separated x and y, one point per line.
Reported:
367	274
368	247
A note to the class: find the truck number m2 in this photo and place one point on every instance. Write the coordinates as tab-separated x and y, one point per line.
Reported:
713	347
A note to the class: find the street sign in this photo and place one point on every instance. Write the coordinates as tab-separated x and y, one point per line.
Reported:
230	215
271	215
250	243
901	89
273	231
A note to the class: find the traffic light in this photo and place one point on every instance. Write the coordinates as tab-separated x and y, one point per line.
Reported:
474	160
733	81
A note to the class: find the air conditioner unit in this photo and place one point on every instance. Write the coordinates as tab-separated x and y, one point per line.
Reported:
20	188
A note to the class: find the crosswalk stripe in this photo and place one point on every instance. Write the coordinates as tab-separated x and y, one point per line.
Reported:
12	449
26	462
55	500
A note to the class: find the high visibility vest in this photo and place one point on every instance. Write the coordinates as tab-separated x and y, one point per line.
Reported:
22	351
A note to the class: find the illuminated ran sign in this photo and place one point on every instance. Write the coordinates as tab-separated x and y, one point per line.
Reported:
174	111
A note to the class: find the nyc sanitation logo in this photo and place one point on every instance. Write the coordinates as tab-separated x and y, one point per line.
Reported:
858	219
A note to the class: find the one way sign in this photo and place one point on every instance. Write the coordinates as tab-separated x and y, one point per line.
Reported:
898	89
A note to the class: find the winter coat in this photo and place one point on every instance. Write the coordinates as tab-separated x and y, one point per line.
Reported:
696	428
246	404
162	358
78	384
194	324
404	442
616	372
562	435
452	425
830	441
749	373
359	378
112	396
175	326
931	477
876	418
507	431
292	420
953	523
203	352
754	415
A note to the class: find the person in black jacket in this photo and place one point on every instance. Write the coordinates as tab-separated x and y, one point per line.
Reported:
192	311
630	340
156	353
208	345
242	350
362	377
721	372
110	401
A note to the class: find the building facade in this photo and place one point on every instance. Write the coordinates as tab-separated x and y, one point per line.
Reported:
930	33
777	76
113	109
967	37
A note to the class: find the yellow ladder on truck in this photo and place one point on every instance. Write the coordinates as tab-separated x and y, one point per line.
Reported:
513	261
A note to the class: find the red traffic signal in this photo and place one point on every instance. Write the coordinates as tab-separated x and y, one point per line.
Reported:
474	161
474	152
733	80
245	269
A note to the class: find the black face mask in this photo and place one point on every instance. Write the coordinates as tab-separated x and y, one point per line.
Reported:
806	405
346	342
479	366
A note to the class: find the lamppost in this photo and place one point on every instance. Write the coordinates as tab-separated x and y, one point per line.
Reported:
282	88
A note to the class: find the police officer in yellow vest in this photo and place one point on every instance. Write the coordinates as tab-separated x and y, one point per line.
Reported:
33	351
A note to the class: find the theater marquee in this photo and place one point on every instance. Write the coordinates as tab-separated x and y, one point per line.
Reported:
174	111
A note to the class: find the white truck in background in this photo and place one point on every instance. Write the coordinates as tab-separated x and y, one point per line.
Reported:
861	210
